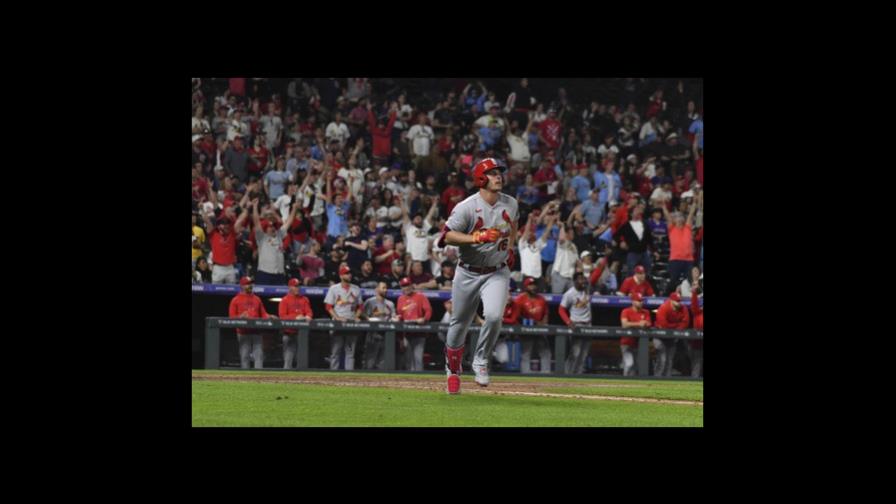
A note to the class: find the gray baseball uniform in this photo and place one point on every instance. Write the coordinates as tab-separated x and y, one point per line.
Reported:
469	287
579	305
376	310
345	303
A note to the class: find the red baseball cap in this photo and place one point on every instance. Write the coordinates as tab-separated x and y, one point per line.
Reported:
344	270
636	296
293	282
245	281
639	269
528	281
675	296
405	282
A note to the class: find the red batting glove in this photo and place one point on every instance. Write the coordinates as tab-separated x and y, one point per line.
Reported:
486	235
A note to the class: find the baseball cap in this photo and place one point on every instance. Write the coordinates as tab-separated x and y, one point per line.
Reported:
245	281
584	253
675	296
405	282
528	281
344	270
223	220
636	296
196	138
293	282
639	269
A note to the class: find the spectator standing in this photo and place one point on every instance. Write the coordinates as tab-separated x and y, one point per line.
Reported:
681	245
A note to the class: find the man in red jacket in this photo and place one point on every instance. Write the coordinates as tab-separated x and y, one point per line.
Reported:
293	306
534	310
636	283
248	305
671	315
413	307
634	317
696	345
382	134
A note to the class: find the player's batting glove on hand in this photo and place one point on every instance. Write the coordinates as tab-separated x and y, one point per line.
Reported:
486	235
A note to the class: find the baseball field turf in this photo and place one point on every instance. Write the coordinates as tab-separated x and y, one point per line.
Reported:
339	399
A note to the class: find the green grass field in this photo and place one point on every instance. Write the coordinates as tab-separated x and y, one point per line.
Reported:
372	400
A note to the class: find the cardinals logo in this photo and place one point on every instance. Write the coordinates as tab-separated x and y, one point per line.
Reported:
347	300
582	302
479	224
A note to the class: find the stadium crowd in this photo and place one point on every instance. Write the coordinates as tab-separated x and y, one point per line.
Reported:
365	173
299	178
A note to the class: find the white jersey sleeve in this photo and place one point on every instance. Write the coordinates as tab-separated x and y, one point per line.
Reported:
461	218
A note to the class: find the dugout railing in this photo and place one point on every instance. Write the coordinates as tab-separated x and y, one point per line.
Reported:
215	324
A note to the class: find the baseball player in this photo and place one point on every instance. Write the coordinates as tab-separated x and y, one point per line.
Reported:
636	283
415	308
578	300
635	316
534	310
248	305
696	345
671	315
293	306
482	226
343	303
377	309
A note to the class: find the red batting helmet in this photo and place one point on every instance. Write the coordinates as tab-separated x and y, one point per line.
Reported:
405	282
479	178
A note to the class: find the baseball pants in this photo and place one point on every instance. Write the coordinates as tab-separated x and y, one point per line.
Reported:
374	351
414	353
696	362
340	341
250	344
541	345
665	355
289	350
578	352
628	360
466	291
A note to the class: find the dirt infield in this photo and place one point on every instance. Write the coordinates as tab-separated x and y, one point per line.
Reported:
534	389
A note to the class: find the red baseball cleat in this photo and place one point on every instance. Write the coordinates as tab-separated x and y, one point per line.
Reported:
453	383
